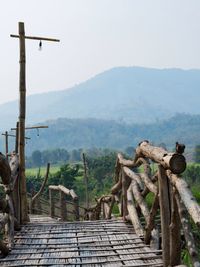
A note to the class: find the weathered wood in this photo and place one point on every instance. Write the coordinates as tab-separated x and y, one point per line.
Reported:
4	206
111	206
118	186
52	203
3	221
38	194
11	221
4	249
22	116
190	242
76	209
5	171
133	213
6	144
133	175
63	210
86	182
173	161
125	185
149	184
36	38
17	138
175	234
151	222
73	194
164	213
188	199
140	201
14	165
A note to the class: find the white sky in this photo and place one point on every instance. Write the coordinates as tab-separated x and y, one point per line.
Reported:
95	35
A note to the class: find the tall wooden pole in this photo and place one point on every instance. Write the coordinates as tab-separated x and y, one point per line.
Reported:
22	116
86	182
6	144
17	138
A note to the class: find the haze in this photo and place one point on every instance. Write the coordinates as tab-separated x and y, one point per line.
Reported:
95	35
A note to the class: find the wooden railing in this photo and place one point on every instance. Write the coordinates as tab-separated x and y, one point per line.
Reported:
171	198
63	192
101	210
6	207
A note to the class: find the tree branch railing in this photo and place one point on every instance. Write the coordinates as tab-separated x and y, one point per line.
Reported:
35	201
6	207
101	210
171	199
63	192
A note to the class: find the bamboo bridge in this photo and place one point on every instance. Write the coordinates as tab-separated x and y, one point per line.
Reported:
62	233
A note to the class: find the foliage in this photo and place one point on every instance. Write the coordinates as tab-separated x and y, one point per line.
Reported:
192	174
197	154
72	134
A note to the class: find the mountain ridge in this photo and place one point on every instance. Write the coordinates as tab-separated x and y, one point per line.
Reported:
130	94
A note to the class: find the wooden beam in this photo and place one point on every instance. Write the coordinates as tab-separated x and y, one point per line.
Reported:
32	127
36	38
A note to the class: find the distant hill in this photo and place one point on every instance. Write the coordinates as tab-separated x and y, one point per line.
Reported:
124	94
87	133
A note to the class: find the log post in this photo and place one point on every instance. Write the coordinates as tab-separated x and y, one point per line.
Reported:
190	241
125	185
6	144
111	206
76	209
63	209
10	224
22	115
52	203
17	138
175	234
165	213
151	221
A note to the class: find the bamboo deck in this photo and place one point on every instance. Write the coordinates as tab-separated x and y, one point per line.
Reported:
111	243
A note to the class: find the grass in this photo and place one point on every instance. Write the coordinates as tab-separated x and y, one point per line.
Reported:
34	171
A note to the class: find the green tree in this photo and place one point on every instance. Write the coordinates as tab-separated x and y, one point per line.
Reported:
197	153
37	158
65	176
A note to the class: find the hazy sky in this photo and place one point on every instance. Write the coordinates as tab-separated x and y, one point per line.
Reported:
95	35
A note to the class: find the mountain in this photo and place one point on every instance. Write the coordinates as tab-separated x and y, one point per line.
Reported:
124	94
88	133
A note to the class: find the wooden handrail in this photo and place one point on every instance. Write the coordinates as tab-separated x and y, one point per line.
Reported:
172	198
63	210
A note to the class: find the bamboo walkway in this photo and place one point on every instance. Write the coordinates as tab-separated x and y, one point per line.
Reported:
47	242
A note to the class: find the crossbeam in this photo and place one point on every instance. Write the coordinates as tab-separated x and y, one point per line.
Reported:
32	127
36	38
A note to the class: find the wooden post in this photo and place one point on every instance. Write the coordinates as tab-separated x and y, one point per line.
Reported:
22	115
165	214
86	182
63	209
52	204
76	209
17	137
175	234
125	185
6	144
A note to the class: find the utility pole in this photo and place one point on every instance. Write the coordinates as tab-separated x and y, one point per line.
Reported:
22	116
6	134
86	182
